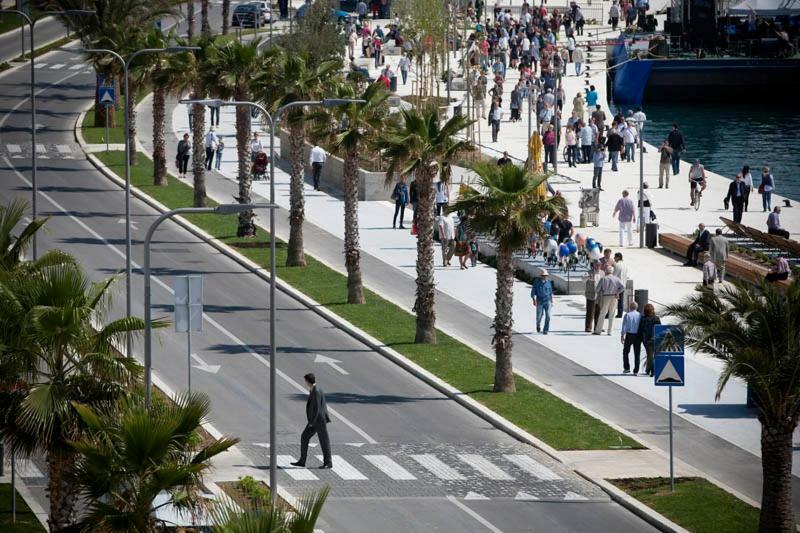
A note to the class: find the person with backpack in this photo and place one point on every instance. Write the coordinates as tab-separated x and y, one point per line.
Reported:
400	196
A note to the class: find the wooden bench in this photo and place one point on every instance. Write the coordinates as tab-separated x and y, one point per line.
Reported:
736	265
777	242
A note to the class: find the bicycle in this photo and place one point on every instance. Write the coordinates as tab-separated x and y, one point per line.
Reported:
697	193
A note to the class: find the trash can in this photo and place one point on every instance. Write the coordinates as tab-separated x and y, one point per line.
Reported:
651	235
457	110
393	84
640	296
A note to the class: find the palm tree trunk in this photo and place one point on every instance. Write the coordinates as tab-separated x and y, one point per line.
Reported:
61	493
246	226
205	29
426	287
132	124
503	322
198	151
190	20
297	202
776	493
226	10
159	144
352	255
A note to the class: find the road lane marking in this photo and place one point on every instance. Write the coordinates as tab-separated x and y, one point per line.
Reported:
345	470
390	467
63	149
14	148
533	467
488	525
525	497
39	65
297	386
295	472
58	66
485	467
574	497
77	66
41	149
436	467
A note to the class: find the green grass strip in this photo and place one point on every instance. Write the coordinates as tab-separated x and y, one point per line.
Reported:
696	504
26	521
556	422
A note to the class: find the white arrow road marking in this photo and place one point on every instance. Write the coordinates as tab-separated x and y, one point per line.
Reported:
134	225
331	361
525	497
205	367
488	525
390	467
475	496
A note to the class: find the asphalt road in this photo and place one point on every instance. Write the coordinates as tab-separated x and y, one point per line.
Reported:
408	458
46	30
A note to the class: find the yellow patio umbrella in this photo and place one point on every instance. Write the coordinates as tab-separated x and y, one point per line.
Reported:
535	148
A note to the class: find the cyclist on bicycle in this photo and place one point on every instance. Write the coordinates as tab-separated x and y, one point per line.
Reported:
697	176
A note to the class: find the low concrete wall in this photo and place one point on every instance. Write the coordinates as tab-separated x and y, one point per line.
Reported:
370	184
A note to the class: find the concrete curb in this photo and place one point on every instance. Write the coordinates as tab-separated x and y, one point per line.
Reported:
25	493
448	390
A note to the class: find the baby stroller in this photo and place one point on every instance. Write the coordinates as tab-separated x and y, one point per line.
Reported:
260	166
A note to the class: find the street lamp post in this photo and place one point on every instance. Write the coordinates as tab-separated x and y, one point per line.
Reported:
273	120
223	209
125	68
642	224
32	24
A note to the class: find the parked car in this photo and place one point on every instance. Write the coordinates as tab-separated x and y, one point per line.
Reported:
336	14
246	16
266	12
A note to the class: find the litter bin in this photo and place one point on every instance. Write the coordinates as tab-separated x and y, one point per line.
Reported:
393	84
457	110
640	296
651	235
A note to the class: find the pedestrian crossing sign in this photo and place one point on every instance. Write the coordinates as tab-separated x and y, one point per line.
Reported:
669	371
105	94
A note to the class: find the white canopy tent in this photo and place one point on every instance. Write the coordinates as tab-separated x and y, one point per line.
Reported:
765	8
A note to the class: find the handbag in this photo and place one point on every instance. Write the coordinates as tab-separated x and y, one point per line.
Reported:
761	189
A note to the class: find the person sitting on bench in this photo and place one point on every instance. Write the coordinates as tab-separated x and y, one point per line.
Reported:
779	271
700	244
774	223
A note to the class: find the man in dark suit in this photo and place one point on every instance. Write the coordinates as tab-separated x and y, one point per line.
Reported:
317	416
700	244
736	194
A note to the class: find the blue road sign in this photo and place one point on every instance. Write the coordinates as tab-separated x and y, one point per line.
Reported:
668	340
105	94
669	371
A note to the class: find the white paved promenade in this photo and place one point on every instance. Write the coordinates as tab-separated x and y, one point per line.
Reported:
662	275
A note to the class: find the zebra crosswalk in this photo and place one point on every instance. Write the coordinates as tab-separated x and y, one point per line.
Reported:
418	470
75	63
43	151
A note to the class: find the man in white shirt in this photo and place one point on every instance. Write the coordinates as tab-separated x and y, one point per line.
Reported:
255	147
447	237
210	143
629	135
621	271
404	65
640	119
316	159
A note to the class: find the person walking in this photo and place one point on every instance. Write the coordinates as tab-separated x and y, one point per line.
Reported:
404	65
210	143
542	296
400	196
572	147
590	293
677	144
736	195
629	136
447	237
629	336
442	196
747	178
317	423
627	217
664	162
765	188
579	107
474	249
462	246
495	116
183	155
613	15
317	159
621	271
587	141
614	143
700	244
608	289
599	159
578	58
709	270
647	325
255	147
718	249
549	143
218	160
774	224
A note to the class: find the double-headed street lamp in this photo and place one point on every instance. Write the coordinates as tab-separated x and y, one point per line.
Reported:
223	209
273	120
32	24
125	68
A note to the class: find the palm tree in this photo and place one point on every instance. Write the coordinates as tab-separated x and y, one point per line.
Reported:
13	247
291	78
53	334
229	519
226	13
188	72
419	143
190	20
205	29
755	332
232	65
129	456
354	126
505	206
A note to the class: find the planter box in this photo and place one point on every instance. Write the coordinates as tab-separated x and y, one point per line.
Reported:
370	184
